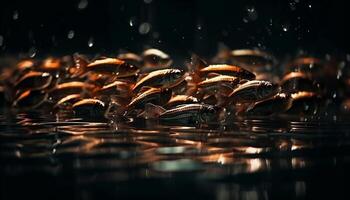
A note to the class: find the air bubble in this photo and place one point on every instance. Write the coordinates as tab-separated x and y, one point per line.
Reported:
83	4
32	52
15	15
70	34
91	42
144	28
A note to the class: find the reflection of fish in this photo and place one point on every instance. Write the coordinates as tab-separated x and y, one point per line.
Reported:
253	91
230	70
163	78
281	102
187	113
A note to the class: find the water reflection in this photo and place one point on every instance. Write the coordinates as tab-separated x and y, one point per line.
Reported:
221	156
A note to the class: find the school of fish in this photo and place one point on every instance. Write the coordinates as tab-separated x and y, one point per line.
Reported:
147	85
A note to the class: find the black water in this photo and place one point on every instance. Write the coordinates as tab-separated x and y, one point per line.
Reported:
56	157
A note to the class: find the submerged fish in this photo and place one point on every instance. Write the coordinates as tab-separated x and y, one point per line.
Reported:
161	78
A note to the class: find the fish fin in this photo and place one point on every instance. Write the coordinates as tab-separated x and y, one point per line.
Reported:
223	53
144	89
225	90
222	100
141	76
243	81
152	111
197	63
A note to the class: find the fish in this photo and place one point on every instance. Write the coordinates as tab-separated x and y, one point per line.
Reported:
180	99
30	99
67	101
131	58
33	80
305	102
156	96
186	113
253	91
89	108
113	66
222	84
156	58
50	64
74	87
120	88
251	58
160	78
279	103
230	70
297	81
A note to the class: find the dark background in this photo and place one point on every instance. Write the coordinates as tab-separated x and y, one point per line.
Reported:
177	26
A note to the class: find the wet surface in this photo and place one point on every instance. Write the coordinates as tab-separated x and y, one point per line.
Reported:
276	157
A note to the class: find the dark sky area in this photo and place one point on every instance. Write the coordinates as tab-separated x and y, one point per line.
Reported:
176	26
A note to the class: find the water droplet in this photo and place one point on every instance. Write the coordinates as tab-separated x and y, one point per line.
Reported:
132	22
91	42
339	74
32	52
15	15
147	1
144	28
82	4
70	34
251	15
1	40
334	95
